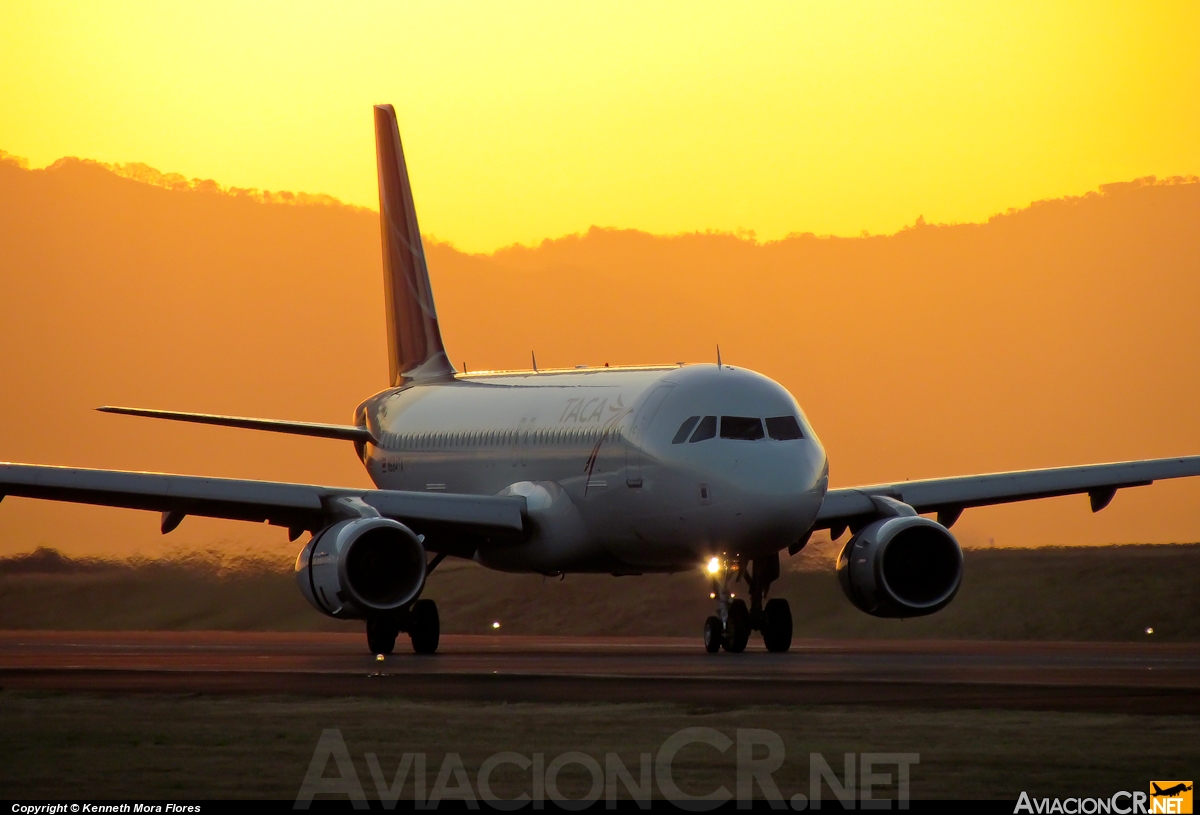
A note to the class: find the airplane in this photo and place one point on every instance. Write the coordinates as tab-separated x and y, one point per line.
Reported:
1170	792
616	470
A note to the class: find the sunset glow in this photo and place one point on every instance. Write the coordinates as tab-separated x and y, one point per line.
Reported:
530	121
607	140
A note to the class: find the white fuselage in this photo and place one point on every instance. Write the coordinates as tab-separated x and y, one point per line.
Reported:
608	487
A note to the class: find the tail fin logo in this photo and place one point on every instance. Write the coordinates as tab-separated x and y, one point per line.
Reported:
415	349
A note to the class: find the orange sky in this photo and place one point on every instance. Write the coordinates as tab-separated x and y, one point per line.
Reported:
1054	336
532	120
1059	334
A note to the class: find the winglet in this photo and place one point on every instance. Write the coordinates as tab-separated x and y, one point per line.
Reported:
415	349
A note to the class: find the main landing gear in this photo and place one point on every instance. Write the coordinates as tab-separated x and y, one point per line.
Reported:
420	621
730	627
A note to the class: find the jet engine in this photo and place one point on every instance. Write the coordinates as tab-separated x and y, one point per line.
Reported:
901	567
362	567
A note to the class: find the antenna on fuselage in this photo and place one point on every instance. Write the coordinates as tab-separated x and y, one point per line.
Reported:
533	355
718	356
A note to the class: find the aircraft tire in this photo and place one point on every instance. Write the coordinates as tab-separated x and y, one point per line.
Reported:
737	628
777	625
713	634
381	635
424	628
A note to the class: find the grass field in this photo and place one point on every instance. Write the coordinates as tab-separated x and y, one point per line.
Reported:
1094	593
84	745
81	745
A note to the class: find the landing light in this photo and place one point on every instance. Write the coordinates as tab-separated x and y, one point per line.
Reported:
495	625
714	566
1149	630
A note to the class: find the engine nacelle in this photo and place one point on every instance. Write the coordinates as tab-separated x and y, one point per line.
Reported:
361	567
901	567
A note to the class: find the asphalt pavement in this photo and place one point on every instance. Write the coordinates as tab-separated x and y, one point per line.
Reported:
1125	677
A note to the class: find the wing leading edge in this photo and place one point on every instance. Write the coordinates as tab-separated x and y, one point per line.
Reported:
948	497
453	521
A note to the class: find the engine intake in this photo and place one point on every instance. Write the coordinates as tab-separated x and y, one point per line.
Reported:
901	567
361	567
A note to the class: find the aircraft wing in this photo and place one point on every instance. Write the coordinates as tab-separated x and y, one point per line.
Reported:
948	497
452	522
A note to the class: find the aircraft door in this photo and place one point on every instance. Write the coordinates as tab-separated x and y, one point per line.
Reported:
635	448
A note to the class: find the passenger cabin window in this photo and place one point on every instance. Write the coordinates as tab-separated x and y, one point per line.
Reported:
685	429
784	428
705	430
745	428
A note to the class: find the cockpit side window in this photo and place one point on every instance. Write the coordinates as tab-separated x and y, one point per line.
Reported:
705	430
685	429
784	428
744	428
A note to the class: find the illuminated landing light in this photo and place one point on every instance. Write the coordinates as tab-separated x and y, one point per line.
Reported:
714	566
379	657
1149	630
712	595
496	624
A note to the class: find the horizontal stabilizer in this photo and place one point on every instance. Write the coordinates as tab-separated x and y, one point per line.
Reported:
324	431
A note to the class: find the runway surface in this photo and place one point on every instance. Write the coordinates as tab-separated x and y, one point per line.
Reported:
1127	677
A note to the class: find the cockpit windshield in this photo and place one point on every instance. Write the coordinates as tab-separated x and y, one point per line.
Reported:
743	428
705	430
739	428
784	428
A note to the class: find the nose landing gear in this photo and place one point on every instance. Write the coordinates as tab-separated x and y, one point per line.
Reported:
731	626
714	634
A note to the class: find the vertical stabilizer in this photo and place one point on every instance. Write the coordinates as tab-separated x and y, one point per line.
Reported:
415	350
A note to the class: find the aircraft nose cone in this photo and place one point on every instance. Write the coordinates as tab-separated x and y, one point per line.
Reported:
778	471
768	499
